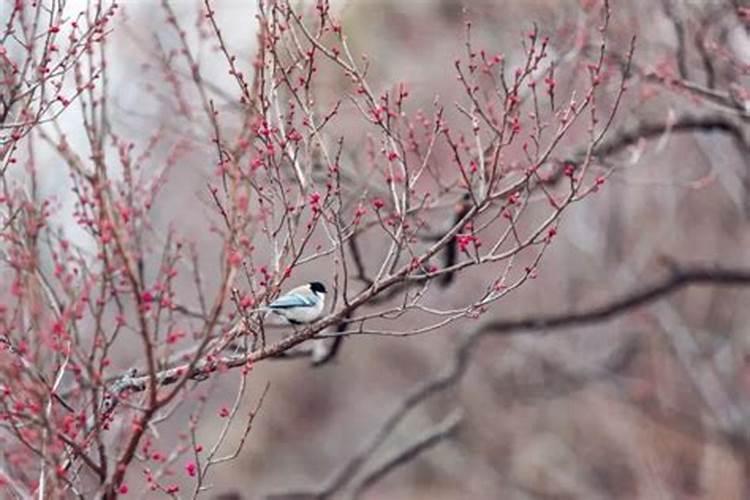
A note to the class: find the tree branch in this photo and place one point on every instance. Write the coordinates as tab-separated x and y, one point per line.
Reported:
424	441
679	278
685	123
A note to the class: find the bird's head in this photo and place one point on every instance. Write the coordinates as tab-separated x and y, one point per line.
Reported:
317	287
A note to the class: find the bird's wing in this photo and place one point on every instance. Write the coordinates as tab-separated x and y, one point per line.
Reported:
292	299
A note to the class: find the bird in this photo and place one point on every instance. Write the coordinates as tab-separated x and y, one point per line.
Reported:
300	305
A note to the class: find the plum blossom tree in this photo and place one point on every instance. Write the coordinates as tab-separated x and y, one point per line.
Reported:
307	166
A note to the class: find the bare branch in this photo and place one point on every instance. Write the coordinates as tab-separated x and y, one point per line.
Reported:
424	441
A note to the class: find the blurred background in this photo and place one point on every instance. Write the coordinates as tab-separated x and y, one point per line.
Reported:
641	405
